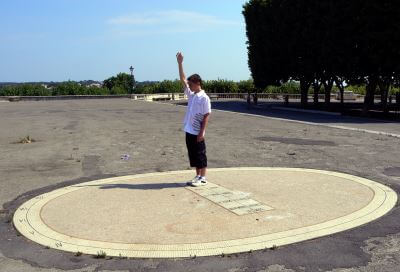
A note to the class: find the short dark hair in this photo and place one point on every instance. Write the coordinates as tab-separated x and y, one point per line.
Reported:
195	78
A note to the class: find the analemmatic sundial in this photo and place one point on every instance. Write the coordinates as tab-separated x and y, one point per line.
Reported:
156	215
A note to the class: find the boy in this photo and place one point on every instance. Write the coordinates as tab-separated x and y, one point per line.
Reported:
195	123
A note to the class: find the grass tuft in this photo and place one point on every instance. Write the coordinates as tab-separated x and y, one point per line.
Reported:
100	255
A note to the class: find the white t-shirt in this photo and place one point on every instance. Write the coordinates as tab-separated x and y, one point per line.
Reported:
198	105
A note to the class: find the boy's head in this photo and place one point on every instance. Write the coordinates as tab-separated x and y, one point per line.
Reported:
194	82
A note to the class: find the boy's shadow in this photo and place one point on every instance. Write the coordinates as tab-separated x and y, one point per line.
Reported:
144	186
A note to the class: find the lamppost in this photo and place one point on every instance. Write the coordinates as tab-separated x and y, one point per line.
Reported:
132	78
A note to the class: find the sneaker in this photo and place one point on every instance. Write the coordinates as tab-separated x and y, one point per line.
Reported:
203	180
199	182
193	180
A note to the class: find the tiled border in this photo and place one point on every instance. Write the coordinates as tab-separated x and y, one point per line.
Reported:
28	222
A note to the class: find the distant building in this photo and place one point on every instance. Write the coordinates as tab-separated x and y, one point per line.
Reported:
98	85
46	86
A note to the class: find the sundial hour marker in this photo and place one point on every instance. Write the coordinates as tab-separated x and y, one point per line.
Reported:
236	202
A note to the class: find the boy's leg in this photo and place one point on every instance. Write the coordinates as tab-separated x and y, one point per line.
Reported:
201	163
203	175
191	142
203	171
202	160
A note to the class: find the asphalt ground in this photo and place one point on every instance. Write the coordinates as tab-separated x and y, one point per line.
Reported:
276	110
77	141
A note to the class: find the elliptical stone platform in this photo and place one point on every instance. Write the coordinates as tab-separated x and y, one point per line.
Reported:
155	215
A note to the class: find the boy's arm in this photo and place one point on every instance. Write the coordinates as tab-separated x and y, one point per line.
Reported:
200	137
182	77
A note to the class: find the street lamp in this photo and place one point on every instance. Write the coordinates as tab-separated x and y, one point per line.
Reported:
132	78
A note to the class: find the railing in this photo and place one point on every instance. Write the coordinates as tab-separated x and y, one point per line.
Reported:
159	97
260	96
215	96
218	96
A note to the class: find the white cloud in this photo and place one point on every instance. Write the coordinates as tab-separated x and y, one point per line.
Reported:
171	21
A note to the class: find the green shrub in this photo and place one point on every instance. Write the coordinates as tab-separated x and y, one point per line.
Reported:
272	89
246	86
73	88
25	90
152	88
146	87
357	89
394	90
286	88
291	87
117	90
68	88
167	86
96	91
8	91
220	86
142	89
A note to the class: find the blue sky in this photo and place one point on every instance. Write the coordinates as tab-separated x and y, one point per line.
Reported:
57	40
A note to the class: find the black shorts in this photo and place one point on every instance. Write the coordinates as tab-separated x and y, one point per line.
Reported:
197	151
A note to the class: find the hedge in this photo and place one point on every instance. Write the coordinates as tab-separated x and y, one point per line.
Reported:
166	86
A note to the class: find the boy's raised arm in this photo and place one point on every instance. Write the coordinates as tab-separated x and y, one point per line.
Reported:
182	77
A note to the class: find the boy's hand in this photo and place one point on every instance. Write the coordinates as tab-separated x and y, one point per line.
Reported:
200	138
179	57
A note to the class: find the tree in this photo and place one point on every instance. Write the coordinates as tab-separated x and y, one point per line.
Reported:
123	81
324	42
68	88
280	42
379	43
265	44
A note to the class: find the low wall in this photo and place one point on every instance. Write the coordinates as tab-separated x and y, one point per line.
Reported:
60	97
159	97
